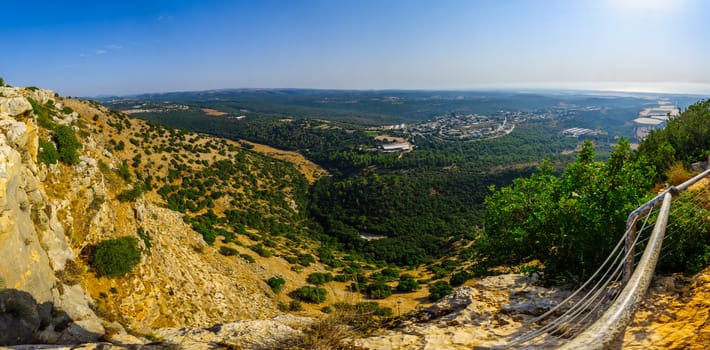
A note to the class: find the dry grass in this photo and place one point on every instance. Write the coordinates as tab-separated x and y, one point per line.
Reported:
310	170
346	322
677	174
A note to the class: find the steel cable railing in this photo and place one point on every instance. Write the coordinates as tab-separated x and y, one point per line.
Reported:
597	313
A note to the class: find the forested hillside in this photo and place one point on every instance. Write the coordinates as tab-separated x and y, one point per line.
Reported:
445	198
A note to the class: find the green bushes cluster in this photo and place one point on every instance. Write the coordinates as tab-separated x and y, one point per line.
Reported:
459	278
47	152
132	194
407	284
228	251
439	290
276	283
68	144
116	257
378	290
570	223
312	294
319	278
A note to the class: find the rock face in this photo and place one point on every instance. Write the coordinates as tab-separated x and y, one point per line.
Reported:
256	334
675	315
489	313
33	251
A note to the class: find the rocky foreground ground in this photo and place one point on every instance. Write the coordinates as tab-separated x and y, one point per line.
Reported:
676	315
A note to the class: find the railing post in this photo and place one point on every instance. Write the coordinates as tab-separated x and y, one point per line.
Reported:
629	249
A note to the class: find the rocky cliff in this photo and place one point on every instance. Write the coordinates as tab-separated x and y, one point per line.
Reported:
37	304
54	213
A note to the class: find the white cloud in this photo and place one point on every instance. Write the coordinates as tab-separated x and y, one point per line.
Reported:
101	52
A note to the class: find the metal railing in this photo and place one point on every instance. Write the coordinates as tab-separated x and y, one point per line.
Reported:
596	315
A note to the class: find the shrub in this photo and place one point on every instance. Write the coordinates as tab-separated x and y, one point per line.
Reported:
145	237
250	259
67	110
259	249
306	259
116	257
124	172
68	144
132	194
378	290
2	82
312	294
688	248
47	152
276	284
295	305
459	278
407	283
227	251
439	290
319	278
389	274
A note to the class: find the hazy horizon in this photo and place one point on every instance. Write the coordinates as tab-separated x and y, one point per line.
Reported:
603	87
135	47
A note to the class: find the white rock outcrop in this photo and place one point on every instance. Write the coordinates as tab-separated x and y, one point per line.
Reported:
32	243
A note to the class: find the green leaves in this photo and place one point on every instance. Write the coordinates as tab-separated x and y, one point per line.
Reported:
116	257
68	144
570	222
47	152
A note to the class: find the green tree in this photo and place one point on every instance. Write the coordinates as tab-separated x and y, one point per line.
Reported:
116	257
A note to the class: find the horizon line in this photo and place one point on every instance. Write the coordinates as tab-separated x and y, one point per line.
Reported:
693	89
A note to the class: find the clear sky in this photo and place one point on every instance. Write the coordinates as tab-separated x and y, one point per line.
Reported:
87	48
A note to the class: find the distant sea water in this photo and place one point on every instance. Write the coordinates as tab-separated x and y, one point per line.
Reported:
650	87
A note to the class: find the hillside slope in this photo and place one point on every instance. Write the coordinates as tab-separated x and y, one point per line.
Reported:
202	211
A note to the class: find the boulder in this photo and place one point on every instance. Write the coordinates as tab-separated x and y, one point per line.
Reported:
15	106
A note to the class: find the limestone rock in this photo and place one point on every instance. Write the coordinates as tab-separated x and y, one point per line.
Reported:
84	331
40	95
486	314
57	249
252	334
15	106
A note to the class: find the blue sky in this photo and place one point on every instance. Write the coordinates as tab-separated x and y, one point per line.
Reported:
83	48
